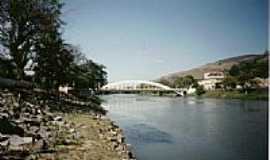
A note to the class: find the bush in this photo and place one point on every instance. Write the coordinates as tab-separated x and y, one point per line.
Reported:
200	90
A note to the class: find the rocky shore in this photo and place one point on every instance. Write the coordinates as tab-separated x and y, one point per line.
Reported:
36	125
100	138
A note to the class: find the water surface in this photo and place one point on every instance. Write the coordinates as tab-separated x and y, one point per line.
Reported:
162	128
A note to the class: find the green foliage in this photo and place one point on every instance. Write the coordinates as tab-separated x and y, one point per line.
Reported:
21	23
53	65
89	75
195	84
185	82
261	68
7	69
244	73
229	82
31	35
53	57
234	71
252	95
200	90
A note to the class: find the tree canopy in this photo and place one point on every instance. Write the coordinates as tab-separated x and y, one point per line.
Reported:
185	82
244	73
31	38
21	23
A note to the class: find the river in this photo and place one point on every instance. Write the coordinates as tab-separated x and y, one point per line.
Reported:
163	128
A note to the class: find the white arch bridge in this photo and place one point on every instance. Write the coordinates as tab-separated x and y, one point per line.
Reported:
138	86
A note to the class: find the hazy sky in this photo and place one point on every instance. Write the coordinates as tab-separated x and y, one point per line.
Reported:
144	39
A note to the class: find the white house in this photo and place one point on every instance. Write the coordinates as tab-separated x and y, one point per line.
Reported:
211	80
213	75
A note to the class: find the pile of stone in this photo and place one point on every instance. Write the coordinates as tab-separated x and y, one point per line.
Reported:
28	129
31	124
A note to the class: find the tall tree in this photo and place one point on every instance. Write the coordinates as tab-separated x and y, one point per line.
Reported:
6	68
53	57
54	61
91	75
234	71
185	82
21	22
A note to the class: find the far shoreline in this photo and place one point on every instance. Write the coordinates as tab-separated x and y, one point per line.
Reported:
237	95
220	94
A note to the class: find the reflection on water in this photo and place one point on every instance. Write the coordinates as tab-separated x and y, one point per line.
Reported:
189	128
142	133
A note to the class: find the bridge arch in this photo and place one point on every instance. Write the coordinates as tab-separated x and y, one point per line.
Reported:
134	85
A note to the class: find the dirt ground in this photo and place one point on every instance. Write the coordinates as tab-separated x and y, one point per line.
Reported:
91	145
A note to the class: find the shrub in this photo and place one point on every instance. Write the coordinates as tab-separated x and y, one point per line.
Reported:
200	90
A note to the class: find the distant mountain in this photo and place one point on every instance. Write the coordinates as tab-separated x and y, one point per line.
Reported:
220	65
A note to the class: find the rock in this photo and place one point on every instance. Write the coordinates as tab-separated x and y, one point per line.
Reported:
43	133
72	130
4	115
130	155
33	121
30	127
17	140
58	118
15	104
15	148
34	129
120	138
3	137
4	144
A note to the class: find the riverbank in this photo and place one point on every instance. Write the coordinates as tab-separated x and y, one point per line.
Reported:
38	125
100	138
255	95
220	94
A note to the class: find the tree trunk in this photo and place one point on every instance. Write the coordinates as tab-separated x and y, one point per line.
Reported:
20	73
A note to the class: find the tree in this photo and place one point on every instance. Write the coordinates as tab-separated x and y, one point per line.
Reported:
90	75
234	71
200	90
229	82
53	63
195	84
7	68
21	22
185	82
245	72
53	57
261	68
179	82
244	80
79	57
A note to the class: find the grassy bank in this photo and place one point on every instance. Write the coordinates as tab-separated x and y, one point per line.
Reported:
253	95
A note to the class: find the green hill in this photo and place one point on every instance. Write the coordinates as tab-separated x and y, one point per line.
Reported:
220	65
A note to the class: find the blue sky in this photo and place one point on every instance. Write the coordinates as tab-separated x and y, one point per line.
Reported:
144	39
